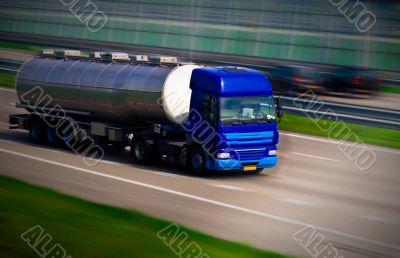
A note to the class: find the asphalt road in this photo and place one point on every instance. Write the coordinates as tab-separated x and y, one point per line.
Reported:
314	184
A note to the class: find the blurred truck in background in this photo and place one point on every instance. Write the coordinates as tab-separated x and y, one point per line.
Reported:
291	79
352	81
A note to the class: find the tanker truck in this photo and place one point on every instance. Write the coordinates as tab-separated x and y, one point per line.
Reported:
205	118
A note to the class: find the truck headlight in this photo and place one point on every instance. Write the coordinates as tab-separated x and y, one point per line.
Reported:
272	152
223	155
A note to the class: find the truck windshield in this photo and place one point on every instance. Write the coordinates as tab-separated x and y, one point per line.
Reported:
246	110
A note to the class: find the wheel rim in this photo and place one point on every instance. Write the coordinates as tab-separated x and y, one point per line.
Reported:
139	150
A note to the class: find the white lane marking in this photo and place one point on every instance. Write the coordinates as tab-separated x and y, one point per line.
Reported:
298	202
163	174
202	199
374	218
230	187
5	89
325	140
12	104
315	157
55	151
110	162
65	152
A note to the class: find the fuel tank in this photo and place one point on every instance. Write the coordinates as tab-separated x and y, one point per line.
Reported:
125	93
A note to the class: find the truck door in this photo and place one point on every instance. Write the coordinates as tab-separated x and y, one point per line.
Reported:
209	109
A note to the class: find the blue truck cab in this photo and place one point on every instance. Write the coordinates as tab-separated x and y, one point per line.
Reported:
233	119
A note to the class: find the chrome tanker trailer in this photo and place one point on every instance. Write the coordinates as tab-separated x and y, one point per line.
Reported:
206	118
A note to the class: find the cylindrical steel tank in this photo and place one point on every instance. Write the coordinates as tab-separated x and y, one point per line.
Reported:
124	93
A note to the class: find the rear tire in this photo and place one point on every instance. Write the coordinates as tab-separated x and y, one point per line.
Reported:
138	151
51	137
36	130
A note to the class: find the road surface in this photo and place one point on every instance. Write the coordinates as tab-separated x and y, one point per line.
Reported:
314	184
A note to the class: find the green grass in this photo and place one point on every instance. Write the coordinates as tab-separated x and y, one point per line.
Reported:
21	46
368	134
389	89
7	80
87	229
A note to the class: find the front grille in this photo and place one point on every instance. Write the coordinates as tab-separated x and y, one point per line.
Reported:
249	138
251	154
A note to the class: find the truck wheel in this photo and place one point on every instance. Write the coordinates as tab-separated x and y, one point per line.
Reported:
138	151
52	137
36	130
66	136
197	162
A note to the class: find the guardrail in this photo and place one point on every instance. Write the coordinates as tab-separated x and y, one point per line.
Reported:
348	113
9	66
379	117
391	82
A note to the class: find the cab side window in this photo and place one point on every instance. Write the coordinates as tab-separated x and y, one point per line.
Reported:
208	108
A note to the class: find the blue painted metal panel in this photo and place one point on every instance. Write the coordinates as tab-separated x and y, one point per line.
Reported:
249	135
247	128
224	81
250	142
236	165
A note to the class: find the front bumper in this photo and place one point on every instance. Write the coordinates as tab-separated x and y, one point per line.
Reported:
238	165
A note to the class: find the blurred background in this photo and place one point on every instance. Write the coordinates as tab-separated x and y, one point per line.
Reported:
300	45
267	33
297	30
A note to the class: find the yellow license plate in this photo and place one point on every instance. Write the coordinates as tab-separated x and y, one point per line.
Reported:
249	168
312	87
362	91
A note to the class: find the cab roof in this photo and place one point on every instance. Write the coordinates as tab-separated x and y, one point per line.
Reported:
230	81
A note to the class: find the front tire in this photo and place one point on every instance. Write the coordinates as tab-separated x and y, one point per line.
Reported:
197	161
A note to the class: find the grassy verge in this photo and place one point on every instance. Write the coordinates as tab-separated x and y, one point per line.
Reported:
389	89
87	229
368	134
7	80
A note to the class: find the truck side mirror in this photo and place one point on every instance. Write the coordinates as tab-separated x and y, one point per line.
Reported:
280	113
278	104
212	109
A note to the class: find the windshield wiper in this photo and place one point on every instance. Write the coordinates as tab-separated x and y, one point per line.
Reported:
240	122
233	122
261	121
264	121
